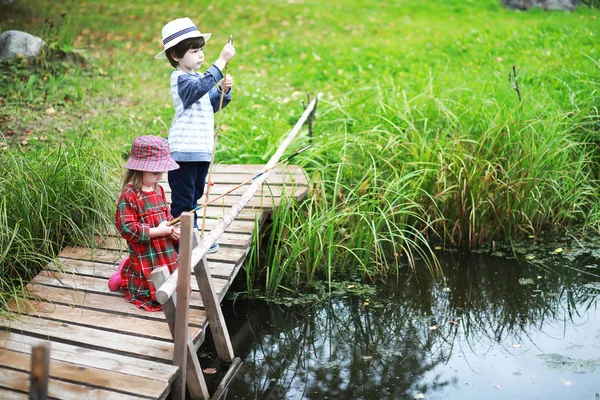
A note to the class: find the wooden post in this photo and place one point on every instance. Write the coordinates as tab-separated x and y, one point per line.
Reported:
182	304
40	366
212	306
195	377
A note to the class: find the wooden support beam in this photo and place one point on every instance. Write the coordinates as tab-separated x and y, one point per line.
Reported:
196	384
182	305
40	366
221	391
216	321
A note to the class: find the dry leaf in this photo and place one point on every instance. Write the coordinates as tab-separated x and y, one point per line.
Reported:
210	371
51	111
419	396
433	328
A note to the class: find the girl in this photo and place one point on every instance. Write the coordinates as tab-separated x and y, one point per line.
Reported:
142	215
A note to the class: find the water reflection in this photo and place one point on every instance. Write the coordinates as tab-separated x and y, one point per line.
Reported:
492	328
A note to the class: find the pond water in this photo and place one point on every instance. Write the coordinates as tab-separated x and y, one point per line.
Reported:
496	327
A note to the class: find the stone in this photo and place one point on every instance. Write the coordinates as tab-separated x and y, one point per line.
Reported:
14	43
561	5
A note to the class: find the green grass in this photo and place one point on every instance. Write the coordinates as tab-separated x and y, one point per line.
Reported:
419	138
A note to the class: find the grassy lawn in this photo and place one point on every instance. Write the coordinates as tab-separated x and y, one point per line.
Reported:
417	113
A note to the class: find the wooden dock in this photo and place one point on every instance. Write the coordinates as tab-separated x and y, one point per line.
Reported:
102	347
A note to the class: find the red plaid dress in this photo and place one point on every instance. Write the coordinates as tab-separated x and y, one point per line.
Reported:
136	214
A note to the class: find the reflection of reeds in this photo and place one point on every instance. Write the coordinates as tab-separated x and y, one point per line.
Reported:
342	348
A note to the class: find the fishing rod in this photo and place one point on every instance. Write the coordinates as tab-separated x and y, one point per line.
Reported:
212	161
176	220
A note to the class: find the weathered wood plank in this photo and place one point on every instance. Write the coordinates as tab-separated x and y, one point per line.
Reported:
122	323
104	270
89	375
91	358
95	285
89	337
225	254
58	389
76	298
242	240
6	394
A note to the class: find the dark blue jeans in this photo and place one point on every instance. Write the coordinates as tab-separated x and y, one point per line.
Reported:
187	186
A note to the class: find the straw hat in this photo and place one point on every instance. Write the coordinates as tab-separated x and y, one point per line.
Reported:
178	30
151	154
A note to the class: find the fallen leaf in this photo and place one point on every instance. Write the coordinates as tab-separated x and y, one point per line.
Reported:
50	111
559	250
433	328
210	371
419	396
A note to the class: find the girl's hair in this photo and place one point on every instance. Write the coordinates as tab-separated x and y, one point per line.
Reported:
136	178
182	47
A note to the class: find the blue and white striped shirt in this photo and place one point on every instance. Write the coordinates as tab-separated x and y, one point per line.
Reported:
191	136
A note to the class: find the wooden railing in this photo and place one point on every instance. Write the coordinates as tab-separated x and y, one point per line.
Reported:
193	256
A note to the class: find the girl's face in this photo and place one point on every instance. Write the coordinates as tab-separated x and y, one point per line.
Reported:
151	178
192	60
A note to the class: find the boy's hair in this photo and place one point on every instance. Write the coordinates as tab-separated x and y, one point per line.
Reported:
182	47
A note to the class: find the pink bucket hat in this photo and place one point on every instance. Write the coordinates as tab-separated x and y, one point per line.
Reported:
177	31
151	154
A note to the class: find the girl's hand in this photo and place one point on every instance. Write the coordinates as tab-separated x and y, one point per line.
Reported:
161	230
176	232
226	83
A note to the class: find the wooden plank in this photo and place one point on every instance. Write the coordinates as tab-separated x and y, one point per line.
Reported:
88	337
18	380
225	254
121	323
90	358
266	190
229	239
6	394
88	375
237	226
256	168
90	285
96	285
76	298
102	270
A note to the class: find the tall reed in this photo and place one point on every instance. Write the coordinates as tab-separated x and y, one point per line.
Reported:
65	196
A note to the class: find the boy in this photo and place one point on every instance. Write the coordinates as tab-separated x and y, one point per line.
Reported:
196	99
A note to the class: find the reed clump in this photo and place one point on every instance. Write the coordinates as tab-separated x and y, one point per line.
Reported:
47	201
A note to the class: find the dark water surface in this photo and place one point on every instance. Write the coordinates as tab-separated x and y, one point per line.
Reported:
497	327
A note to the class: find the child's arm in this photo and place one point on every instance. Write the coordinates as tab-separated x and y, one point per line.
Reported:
128	223
215	97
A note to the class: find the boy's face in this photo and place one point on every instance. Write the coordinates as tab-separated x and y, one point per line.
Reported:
191	61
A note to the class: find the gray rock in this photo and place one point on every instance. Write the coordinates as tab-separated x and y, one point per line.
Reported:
13	43
562	5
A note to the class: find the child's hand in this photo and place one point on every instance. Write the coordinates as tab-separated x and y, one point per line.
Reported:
161	230
227	53
176	232
226	83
